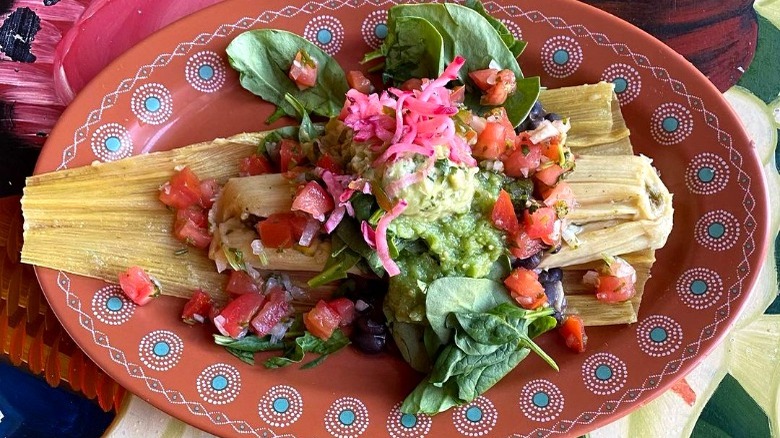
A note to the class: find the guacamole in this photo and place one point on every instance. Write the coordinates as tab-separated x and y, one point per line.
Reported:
456	245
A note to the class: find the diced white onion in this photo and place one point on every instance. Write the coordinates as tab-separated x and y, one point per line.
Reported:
361	305
312	226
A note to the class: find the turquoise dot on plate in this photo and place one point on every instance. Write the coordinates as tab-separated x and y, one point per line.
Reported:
114	304
324	36
219	383
113	143
706	174
347	417
561	57
152	104
162	349
408	421
698	287
380	31
206	72
620	84
658	334
603	372
281	405
474	414
541	399
670	124
716	230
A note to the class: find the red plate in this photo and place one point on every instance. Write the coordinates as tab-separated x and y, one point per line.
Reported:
176	88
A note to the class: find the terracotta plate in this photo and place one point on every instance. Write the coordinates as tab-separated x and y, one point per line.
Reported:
176	88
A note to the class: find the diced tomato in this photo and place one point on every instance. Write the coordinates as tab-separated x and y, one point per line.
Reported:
291	154
313	199
274	310
523	246
540	223
255	164
616	281
458	94
327	162
485	78
503	214
411	84
234	319
559	197
553	149
345	308
524	286
322	320
208	191
549	175
523	160
138	285
241	283
573	331
495	95
303	70
192	234
357	80
182	191
198	308
196	214
491	142
281	230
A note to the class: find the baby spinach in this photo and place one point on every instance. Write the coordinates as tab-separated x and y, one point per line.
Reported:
513	44
263	58
412	50
487	346
460	294
483	43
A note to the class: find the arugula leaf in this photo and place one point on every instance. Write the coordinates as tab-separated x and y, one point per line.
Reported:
349	231
460	294
276	136
412	50
307	131
336	268
244	356
309	343
263	58
513	44
249	343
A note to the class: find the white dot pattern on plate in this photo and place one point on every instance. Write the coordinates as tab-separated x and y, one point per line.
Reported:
706	174
627	81
400	425
161	350
561	56
111	306
374	28
514	28
111	142
604	373
152	103
326	32
659	335
717	230
205	71
346	417
281	406
541	400
700	288
671	123
477	418
219	384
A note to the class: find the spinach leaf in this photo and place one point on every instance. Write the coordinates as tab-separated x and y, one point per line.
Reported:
482	42
276	136
412	50
460	294
263	58
488	345
309	343
336	267
513	44
249	343
349	231
410	340
307	131
244	356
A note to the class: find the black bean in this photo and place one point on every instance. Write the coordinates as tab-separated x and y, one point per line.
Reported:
553	117
370	325
530	262
551	275
368	343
